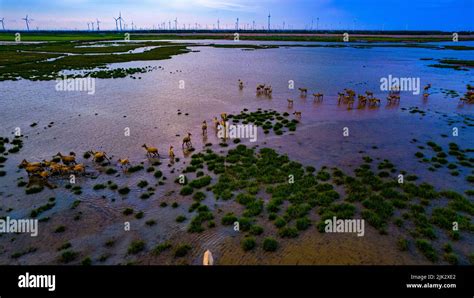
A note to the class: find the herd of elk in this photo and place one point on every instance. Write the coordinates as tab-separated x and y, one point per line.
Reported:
263	89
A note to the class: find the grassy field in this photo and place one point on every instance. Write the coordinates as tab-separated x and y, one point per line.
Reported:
454	64
31	61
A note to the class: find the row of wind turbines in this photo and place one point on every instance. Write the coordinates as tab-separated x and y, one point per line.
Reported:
120	24
90	26
26	19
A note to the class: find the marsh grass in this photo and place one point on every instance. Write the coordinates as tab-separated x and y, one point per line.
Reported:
157	250
248	243
229	219
427	249
402	244
68	256
136	247
270	244
181	250
36	212
124	190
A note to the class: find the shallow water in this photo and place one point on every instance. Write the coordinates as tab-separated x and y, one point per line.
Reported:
149	107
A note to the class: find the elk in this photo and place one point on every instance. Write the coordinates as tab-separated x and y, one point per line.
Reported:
290	103
204	128
151	151
303	91
171	153
78	169
187	141
99	156
216	122
318	96
124	163
67	159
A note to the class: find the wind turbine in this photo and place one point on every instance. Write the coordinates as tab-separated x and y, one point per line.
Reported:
269	17
176	24
120	19
116	24
88	27
27	21
132	25
237	25
92	25
98	22
218	24
3	23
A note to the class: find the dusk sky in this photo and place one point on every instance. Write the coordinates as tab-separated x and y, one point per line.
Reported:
448	15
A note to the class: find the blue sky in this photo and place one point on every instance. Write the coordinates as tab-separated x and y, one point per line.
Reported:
448	15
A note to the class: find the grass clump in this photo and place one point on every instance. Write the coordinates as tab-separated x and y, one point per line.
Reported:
65	246
33	189
111	171
128	211
135	247
34	213
256	230
270	244
402	244
150	222
124	190
451	258
427	249
199	196
99	186
142	184
181	250
68	256
186	190
229	219
248	243
288	232
161	248
201	182
181	218
303	223
134	169
60	229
